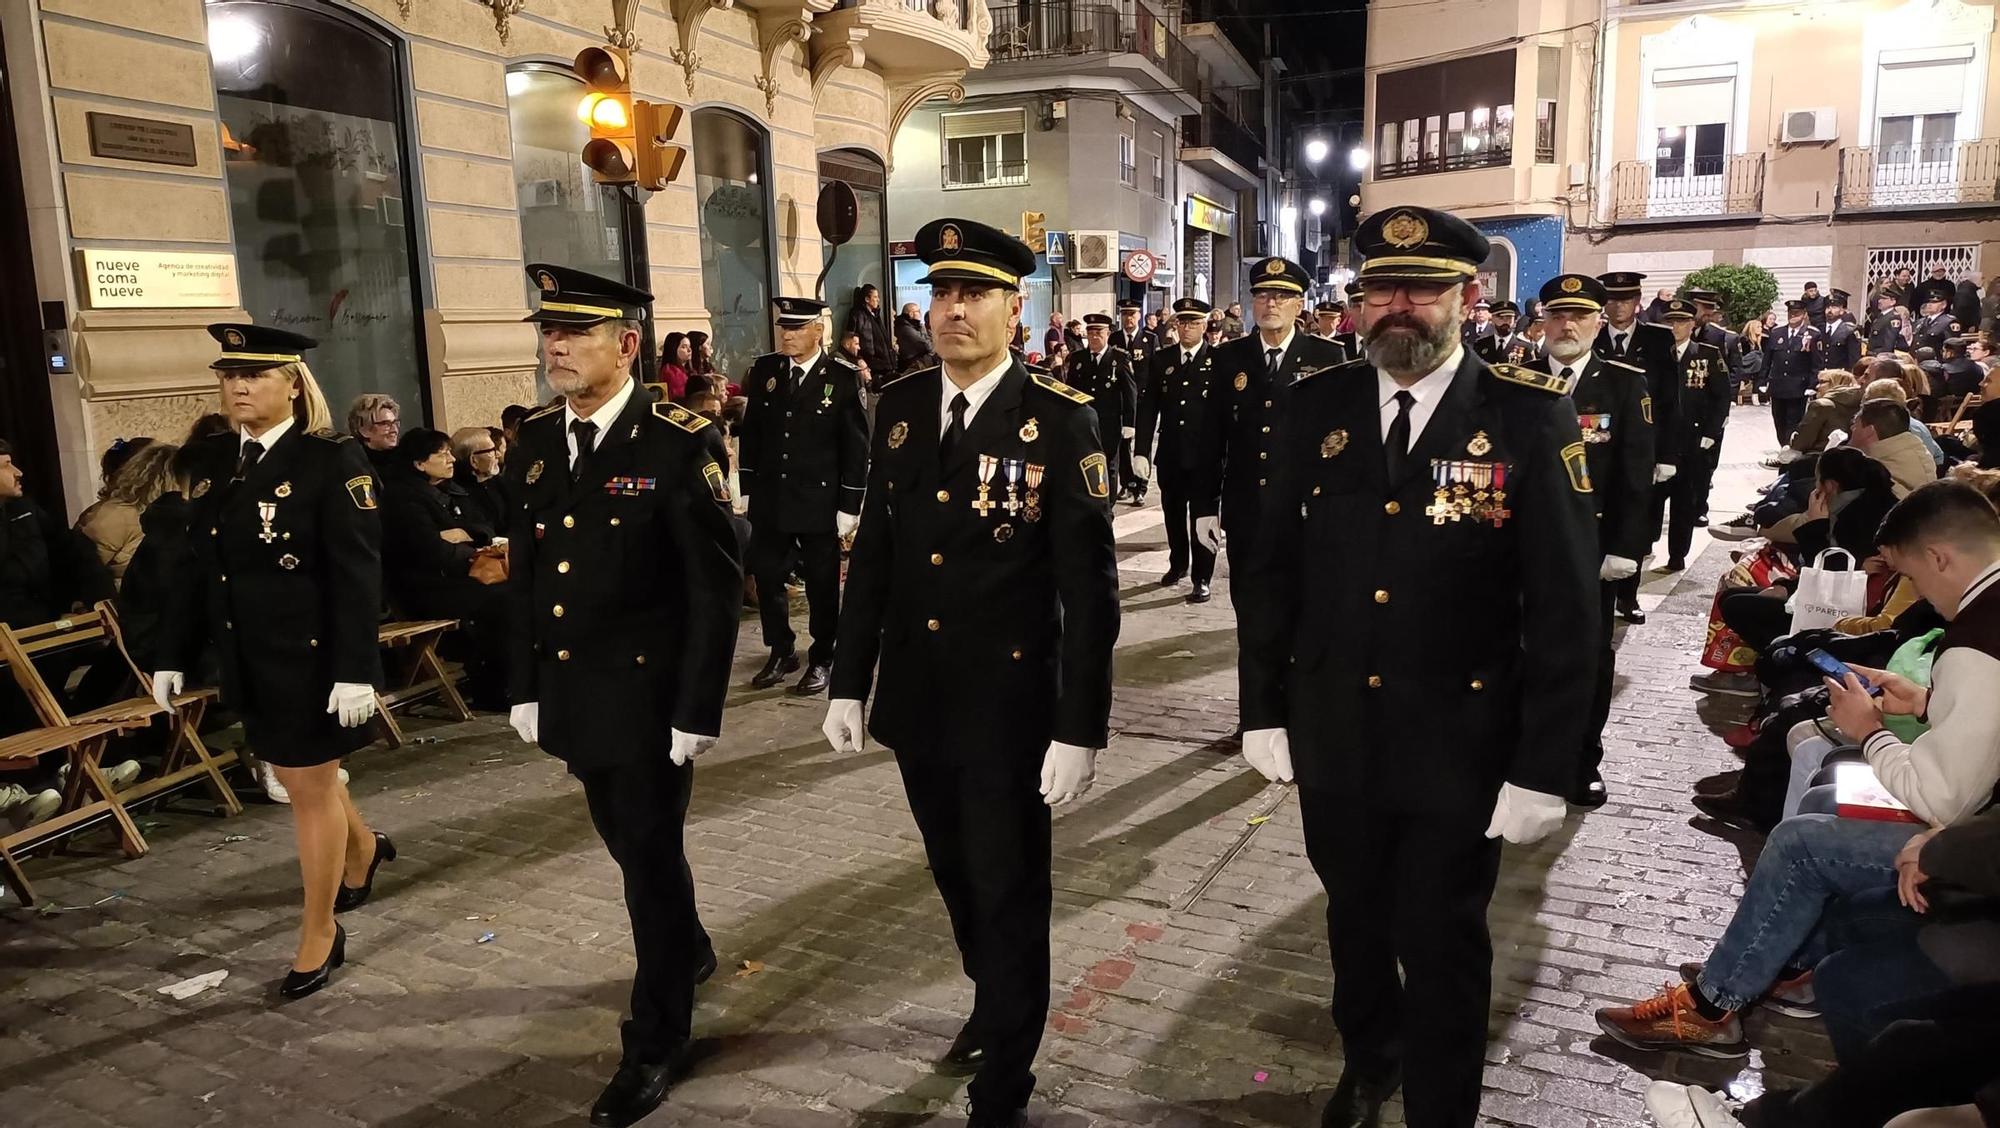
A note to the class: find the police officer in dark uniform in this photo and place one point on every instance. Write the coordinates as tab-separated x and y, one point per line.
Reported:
1710	331
1705	398
1139	345
1243	419
625	587
1505	345
1350	341
985	581
1103	371
802	464
285	541
1615	414
1419	644
1816	304
1326	319
1843	337
1171	403
1792	360
1937	322
1887	332
1647	347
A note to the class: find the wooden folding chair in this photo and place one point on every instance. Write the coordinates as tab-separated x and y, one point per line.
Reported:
84	744
1966	406
188	759
417	672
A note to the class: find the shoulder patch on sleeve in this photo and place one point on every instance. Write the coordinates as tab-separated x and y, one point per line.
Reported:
718	483
361	488
1530	378
1051	384
1578	466
1646	407
681	417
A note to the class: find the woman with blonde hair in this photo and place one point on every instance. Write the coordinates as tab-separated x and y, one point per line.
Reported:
1832	409
1750	362
286	550
111	524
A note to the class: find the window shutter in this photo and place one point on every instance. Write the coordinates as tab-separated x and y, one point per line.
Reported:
1920	88
984	123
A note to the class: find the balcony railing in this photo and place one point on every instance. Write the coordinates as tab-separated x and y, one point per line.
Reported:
1213	128
1049	29
1243	35
1932	174
954	13
984	174
1490	157
1690	188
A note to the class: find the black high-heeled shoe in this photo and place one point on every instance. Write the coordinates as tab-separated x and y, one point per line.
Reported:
299	984
357	896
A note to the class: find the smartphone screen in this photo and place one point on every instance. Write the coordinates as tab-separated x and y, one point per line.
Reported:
1838	670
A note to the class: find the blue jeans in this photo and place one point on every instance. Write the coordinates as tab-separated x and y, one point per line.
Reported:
1875	970
1807	863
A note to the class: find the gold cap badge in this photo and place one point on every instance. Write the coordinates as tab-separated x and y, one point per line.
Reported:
1275	267
546	281
1480	446
233	339
1572	285
949	238
1405	230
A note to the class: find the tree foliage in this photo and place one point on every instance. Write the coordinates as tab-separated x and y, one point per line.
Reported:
1747	291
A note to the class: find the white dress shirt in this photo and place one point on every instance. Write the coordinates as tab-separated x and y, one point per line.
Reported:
604	416
1283	347
974	396
267	440
805	365
1429	392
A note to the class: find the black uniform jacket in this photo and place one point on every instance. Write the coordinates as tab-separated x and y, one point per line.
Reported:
1170	405
289	602
804	449
418	564
625	585
1843	344
1112	387
1420	661
994	630
1791	361
1515	348
1244	421
1615	413
1705	399
1649	348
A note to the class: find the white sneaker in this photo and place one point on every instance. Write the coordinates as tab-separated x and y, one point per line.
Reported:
267	778
1687	1106
25	808
343	777
120	775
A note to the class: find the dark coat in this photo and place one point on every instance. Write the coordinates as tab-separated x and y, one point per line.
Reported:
1418	661
1615	414
1792	363
991	643
1112	388
1930	332
27	590
878	343
158	576
626	585
913	348
804	448
1243	425
1703	381
489	500
1650	348
1515	348
1171	405
425	574
1853	528
1842	344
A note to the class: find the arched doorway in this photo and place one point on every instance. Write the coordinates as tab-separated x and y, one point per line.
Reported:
315	137
732	178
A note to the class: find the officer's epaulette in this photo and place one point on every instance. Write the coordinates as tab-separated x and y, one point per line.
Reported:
1051	384
1311	372
902	380
1529	378
1610	363
328	434
680	417
1035	369
836	358
551	408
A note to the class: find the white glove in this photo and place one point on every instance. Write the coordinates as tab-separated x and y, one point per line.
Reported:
1617	568
845	523
1707	444
527	720
1270	752
1664	473
1208	530
1067	772
688	745
1142	466
1127	432
1522	816
354	701
843	727
166	683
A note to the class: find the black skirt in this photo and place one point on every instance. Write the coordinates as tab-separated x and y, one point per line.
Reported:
302	741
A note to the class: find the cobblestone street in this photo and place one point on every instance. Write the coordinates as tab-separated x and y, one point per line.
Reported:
1190	977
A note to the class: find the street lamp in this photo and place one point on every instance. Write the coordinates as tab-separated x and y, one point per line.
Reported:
1316	206
1357	158
1316	150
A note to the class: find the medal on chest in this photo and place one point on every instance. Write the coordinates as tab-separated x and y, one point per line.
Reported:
1010	469
1031	507
826	397
984	503
267	511
1596	427
1466	490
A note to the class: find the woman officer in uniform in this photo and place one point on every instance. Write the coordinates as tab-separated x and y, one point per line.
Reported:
286	545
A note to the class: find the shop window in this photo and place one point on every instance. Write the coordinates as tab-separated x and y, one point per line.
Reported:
566	217
311	103
863	261
1445	116
733	206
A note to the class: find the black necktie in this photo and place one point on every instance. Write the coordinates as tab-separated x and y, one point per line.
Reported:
1397	446
1618	345
1272	359
1187	359
956	431
798	376
252	452
585	434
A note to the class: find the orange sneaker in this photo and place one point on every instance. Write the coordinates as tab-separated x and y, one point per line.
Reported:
1669	1021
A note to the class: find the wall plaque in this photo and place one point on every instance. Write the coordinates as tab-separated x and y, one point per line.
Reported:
141	139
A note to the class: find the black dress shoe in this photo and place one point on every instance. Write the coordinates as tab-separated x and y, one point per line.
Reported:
1012	1118
353	896
1729	809
1199	594
1357	1101
704	968
774	671
1631	614
815	680
965	1055
299	984
1701	522
635	1091
1173	576
1676	564
1589	794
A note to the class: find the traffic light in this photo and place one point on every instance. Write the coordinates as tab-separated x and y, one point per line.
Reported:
660	159
1033	231
631	142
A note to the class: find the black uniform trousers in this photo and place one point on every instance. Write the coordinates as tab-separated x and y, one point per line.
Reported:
1786	414
639	811
773	555
1704	466
1408	889
986	835
1126	474
1177	505
1607	668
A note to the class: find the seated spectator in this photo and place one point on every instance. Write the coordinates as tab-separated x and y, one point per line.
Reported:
1946	538
27	587
1832	410
913	341
499	438
1882	432
377	421
112	523
157	573
437	560
1961	373
1893	389
674	369
510	419
1986	421
476	453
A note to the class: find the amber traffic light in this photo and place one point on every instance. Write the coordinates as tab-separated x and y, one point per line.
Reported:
1034	230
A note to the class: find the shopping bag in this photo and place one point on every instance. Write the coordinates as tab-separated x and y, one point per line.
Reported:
1723	649
1824	596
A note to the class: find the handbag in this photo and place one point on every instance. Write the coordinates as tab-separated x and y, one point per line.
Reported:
1824	596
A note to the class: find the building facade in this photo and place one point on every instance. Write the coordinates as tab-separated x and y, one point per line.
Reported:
375	173
1114	126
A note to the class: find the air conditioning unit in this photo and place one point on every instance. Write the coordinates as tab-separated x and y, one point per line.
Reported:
1096	252
1806	126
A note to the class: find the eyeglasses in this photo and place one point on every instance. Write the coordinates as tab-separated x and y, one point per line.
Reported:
391	422
1274	297
482	450
1381	293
